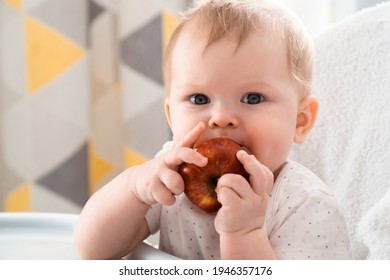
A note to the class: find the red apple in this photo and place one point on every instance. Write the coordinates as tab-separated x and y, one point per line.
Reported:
200	182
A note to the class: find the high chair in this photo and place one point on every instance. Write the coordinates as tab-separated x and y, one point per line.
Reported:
349	145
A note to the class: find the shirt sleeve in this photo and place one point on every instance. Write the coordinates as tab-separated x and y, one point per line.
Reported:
153	218
309	226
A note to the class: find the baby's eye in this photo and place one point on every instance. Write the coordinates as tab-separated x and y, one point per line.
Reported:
252	98
199	99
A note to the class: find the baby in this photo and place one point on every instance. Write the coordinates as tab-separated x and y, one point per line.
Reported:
240	70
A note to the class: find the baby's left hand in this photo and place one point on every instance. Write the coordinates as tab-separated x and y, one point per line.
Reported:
244	203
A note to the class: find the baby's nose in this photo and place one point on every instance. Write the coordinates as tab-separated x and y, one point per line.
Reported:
223	118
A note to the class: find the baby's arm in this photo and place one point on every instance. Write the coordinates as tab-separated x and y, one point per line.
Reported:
113	221
240	220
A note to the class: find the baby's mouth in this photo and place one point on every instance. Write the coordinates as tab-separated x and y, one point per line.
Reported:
243	147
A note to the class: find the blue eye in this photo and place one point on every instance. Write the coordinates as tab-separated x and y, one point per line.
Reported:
199	99
252	98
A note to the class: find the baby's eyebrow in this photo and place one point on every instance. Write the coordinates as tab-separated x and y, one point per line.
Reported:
191	87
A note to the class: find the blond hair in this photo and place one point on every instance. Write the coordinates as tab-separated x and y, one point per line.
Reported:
240	17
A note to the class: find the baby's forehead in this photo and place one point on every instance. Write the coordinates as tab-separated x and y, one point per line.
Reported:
196	32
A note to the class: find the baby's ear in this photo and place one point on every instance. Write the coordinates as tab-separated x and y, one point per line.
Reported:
306	118
167	111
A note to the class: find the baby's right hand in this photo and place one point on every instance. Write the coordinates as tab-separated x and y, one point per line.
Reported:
157	180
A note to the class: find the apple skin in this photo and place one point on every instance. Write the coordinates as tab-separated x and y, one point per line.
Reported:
200	182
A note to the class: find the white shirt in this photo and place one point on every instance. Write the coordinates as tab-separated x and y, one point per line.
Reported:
303	221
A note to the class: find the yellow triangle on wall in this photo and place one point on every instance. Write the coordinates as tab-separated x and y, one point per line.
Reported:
17	4
99	168
48	54
19	200
169	23
132	158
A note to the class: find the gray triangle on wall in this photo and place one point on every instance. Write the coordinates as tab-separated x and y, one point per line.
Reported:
94	10
70	179
142	50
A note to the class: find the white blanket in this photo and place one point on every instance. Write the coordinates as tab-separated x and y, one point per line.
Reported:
374	230
349	148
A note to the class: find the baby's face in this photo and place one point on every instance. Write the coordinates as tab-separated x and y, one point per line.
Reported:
246	94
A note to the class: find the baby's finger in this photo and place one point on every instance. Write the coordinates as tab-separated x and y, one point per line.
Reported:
163	196
180	155
192	136
227	196
261	178
237	183
173	181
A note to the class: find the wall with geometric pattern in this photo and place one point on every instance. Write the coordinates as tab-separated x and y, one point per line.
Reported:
81	96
